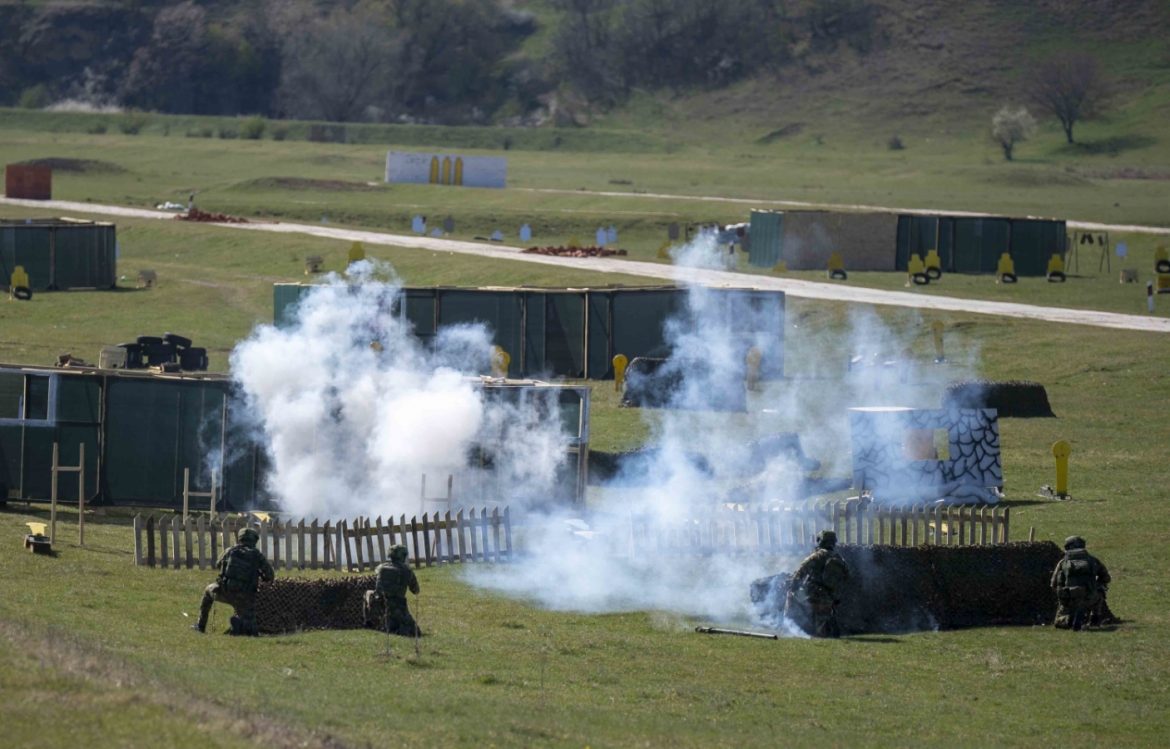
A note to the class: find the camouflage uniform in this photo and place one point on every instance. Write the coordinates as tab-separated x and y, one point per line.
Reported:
1079	581
385	606
241	568
815	587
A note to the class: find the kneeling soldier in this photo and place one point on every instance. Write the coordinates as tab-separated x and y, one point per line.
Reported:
814	591
385	606
1080	581
241	568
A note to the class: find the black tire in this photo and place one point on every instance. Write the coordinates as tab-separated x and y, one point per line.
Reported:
1008	278
176	340
1162	266
1056	277
23	293
920	279
149	340
838	275
934	273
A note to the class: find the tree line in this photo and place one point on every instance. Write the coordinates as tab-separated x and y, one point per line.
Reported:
401	60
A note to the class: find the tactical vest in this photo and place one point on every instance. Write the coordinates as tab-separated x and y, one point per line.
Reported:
392	580
242	569
1080	577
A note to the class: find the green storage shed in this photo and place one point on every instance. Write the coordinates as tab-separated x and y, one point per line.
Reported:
973	244
59	253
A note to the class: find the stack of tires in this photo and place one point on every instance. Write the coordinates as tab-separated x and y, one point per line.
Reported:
170	353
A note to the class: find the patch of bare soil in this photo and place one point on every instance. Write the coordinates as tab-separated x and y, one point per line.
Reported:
316	185
76	166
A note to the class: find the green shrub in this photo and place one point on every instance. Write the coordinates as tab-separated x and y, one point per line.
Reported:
279	132
34	97
132	124
253	128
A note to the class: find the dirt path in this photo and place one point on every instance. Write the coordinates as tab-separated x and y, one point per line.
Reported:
794	287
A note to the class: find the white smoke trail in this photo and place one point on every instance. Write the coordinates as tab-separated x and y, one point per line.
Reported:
353	410
701	456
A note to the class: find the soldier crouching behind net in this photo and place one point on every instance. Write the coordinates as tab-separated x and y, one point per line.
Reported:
815	587
385	606
241	568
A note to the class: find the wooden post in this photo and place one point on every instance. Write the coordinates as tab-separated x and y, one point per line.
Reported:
914	512
186	491
199	528
342	546
451	546
213	537
138	560
508	531
176	550
313	532
189	546
962	526
426	538
275	556
474	540
483	529
496	530
163	557
905	516
370	543
1031	534
459	535
414	540
326	541
382	539
1007	513
150	541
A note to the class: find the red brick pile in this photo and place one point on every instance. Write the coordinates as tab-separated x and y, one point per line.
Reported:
575	251
216	218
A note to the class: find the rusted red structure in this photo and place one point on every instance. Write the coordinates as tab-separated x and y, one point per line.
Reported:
28	181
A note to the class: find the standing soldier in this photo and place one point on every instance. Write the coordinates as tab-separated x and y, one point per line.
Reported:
1080	581
813	594
241	568
386	603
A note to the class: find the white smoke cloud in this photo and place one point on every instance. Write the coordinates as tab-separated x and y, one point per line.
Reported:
353	410
704	459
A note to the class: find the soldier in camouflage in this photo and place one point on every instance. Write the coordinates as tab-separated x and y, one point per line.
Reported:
815	589
385	606
241	568
1079	581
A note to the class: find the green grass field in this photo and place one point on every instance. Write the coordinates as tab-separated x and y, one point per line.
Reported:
87	632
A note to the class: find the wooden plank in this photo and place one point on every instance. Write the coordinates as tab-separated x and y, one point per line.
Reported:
188	543
341	555
508	532
1007	519
163	557
150	556
414	539
904	518
138	558
962	526
371	560
914	513
459	533
472	526
327	542
177	538
314	535
381	538
213	537
496	533
288	544
426	531
274	533
200	528
449	558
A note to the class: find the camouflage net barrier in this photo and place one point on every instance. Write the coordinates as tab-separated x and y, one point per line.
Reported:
905	589
291	604
1015	398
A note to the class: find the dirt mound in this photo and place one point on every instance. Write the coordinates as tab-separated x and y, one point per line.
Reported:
291	604
900	589
76	166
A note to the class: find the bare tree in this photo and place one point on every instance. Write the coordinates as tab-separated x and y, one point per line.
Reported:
1068	86
1011	126
338	66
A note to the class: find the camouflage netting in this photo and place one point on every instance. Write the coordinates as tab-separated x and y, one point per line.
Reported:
1015	398
289	604
902	589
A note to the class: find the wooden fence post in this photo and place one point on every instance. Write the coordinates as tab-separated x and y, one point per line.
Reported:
426	538
138	560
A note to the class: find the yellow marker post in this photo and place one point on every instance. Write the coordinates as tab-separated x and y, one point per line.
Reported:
1060	451
937	328
356	253
620	362
500	361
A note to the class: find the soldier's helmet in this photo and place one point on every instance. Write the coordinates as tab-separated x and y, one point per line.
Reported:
1074	542
398	553
827	539
247	536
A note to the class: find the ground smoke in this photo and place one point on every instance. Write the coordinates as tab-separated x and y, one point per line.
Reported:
353	410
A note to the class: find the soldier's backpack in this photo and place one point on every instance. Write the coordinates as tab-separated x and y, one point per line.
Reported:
835	573
1080	580
241	571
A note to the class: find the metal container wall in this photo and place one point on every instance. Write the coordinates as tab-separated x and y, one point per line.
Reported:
767	231
28	182
59	254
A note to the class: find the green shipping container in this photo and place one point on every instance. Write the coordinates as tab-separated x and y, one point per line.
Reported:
767	236
59	254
